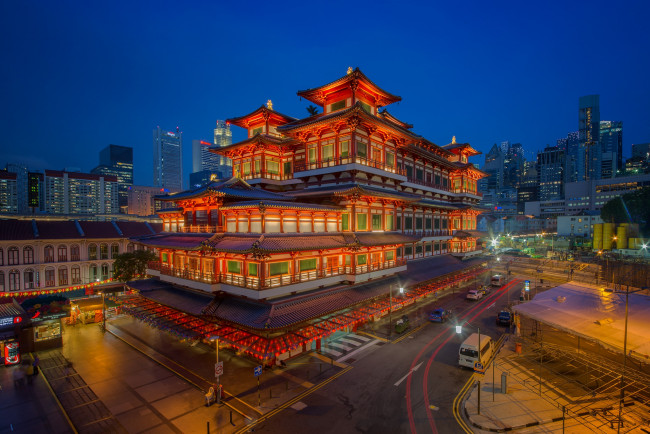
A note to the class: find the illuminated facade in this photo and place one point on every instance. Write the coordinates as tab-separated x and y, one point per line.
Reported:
117	161
344	196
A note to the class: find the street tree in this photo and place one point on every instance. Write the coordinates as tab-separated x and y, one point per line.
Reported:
129	266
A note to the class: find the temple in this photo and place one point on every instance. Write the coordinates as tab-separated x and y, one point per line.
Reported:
342	197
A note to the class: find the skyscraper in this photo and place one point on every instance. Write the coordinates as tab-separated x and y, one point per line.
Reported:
223	138
589	136
80	193
117	161
21	185
550	172
167	159
611	148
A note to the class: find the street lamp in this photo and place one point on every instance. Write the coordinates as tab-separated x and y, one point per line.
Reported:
103	312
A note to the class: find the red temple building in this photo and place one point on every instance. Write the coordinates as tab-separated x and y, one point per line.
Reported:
339	198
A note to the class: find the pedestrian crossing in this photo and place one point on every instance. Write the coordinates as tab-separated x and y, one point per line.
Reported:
339	347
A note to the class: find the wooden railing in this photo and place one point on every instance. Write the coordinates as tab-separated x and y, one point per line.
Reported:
268	175
200	229
272	281
331	162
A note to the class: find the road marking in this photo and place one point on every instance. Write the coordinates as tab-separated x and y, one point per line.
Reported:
347	356
248	427
415	368
339	346
331	351
359	332
492	305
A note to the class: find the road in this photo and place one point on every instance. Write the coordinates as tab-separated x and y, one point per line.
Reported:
405	386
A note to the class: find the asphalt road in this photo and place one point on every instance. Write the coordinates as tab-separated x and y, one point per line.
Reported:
380	396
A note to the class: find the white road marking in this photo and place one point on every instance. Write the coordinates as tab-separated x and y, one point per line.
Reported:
415	368
492	305
331	351
347	356
350	341
339	346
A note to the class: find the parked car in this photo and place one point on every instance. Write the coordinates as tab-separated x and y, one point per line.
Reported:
504	318
474	294
485	289
439	315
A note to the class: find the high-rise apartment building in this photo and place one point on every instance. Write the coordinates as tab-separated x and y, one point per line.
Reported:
21	186
611	148
117	161
550	171
80	193
167	159
35	191
8	192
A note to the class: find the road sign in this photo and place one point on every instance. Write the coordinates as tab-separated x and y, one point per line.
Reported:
218	369
527	285
478	367
258	371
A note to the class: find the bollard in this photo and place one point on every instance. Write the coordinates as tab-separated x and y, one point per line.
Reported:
231	422
504	382
208	427
518	347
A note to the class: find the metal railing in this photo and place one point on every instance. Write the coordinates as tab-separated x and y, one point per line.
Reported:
254	282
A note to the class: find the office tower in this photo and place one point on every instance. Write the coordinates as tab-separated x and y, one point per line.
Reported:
573	157
222	138
80	193
117	161
513	165
611	148
207	165
8	192
589	136
21	185
222	134
641	150
35	191
494	168
550	172
167	159
141	199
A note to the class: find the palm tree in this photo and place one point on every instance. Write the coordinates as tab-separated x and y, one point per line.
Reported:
312	109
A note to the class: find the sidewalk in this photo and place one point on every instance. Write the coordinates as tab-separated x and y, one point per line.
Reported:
527	407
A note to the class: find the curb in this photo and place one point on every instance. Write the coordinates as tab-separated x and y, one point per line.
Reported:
510	428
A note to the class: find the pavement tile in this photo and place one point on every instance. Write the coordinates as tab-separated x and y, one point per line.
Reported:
138	419
122	401
140	377
180	403
162	388
160	429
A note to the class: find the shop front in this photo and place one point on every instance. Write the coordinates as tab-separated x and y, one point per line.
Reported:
11	319
44	329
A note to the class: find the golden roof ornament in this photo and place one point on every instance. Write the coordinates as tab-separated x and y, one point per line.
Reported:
453	139
269	105
350	70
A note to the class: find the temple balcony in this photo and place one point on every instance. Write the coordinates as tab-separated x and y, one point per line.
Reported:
269	178
200	229
429	232
273	286
303	168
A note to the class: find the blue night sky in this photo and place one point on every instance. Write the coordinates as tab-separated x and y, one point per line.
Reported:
77	76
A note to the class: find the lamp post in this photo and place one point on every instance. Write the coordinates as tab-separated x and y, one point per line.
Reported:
620	402
103	312
390	312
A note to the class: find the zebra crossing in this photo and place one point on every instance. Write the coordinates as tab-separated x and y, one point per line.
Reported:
339	347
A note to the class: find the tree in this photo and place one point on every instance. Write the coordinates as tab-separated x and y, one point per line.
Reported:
128	266
312	109
629	208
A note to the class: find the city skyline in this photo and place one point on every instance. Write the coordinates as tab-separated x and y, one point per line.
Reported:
483	86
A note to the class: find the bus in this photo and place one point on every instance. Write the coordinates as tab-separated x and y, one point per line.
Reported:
497	280
468	352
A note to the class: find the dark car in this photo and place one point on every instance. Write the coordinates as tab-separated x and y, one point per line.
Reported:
504	318
439	315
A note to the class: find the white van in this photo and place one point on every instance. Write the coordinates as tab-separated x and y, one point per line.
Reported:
468	352
497	280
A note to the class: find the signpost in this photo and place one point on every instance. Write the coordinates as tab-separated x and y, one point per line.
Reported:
218	369
258	372
479	368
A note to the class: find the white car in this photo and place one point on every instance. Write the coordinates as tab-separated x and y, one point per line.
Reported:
474	294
